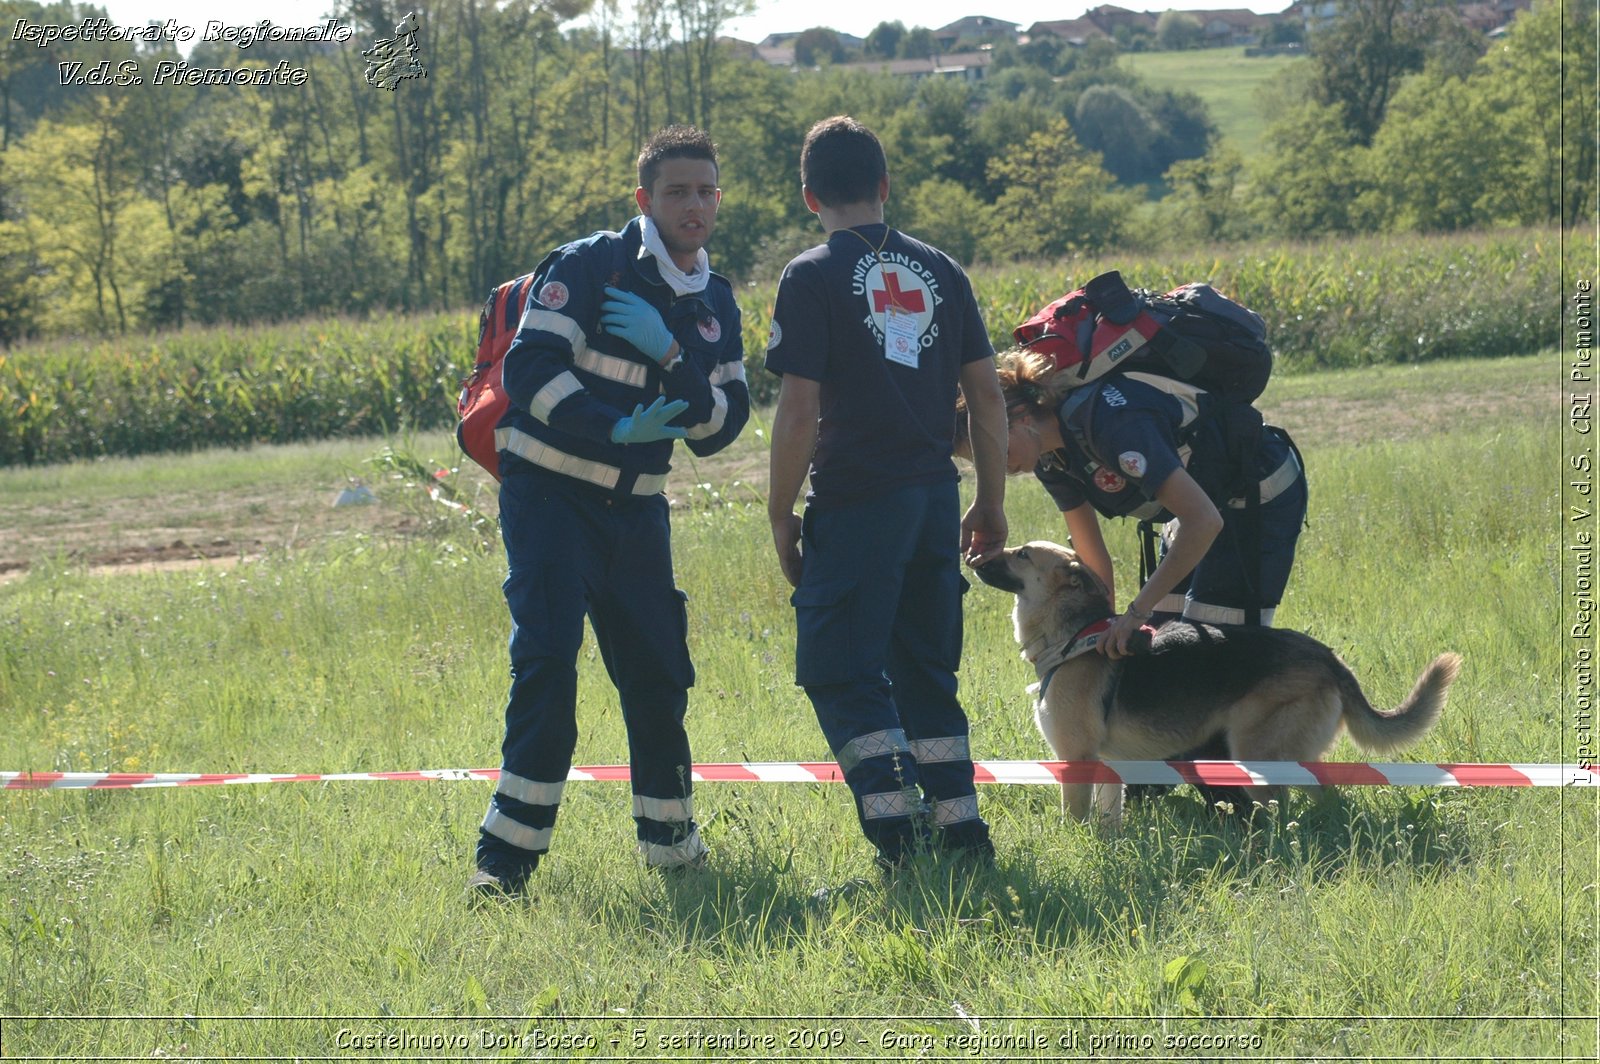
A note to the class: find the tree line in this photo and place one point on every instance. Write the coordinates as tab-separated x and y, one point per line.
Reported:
135	206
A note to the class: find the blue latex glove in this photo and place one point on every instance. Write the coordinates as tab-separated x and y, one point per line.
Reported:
649	425
633	319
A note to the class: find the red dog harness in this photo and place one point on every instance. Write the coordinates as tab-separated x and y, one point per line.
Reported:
1045	664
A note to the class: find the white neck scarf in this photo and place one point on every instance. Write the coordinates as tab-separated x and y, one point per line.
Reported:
682	284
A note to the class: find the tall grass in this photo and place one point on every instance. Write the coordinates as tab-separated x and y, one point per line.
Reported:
1336	303
208	387
1374	923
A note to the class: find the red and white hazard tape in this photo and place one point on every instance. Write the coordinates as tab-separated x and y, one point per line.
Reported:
1218	773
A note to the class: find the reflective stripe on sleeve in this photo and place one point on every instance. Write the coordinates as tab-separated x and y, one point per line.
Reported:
726	372
549	321
550	396
713	424
612	368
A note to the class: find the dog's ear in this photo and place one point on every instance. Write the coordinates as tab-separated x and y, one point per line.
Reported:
1069	575
1084	577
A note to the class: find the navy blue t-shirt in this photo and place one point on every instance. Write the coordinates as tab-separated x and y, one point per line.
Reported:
843	309
1139	433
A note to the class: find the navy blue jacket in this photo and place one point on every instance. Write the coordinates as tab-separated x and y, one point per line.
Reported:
569	383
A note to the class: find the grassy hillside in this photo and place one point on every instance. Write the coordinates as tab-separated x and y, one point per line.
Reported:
1228	82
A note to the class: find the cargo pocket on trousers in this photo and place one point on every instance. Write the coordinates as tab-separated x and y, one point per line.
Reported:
824	633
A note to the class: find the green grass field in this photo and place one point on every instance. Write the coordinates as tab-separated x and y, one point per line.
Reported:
327	921
1231	85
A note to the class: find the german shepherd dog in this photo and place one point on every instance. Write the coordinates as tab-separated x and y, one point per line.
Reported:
1273	694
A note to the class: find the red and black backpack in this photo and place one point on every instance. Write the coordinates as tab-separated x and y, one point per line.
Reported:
1193	333
483	399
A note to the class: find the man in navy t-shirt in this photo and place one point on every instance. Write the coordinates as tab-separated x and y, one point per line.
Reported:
872	332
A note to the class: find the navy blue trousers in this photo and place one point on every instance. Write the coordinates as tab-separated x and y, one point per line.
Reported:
1236	573
575	551
878	620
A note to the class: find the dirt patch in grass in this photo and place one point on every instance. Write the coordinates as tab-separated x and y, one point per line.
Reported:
1328	421
222	526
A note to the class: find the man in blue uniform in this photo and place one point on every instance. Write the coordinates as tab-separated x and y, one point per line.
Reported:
628	342
871	332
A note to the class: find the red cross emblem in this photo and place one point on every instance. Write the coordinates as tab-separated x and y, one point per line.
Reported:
1108	481
890	295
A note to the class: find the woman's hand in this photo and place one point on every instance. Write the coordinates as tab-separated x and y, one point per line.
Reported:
1120	641
1198	524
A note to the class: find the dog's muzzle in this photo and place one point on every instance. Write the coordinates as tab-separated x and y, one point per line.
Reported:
996	573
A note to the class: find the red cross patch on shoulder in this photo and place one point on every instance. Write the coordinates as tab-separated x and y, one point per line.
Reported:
553	295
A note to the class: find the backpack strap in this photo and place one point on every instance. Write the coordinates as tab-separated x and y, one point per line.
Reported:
1080	399
1149	539
1252	551
1242	428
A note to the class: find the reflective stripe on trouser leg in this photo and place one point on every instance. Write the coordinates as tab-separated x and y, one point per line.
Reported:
641	625
862	561
522	815
877	765
550	548
673	817
873	762
924	653
944	766
1206	613
953	811
1172	603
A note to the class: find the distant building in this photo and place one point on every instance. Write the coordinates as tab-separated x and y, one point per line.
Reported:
962	66
776	52
1312	13
1074	31
1485	16
739	49
963	33
777	49
1231	26
960	57
1110	17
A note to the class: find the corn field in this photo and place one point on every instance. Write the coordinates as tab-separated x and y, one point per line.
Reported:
1331	304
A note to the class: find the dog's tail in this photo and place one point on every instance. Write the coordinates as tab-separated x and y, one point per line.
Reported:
1382	732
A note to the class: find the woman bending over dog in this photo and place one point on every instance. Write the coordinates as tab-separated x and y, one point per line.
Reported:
1161	450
